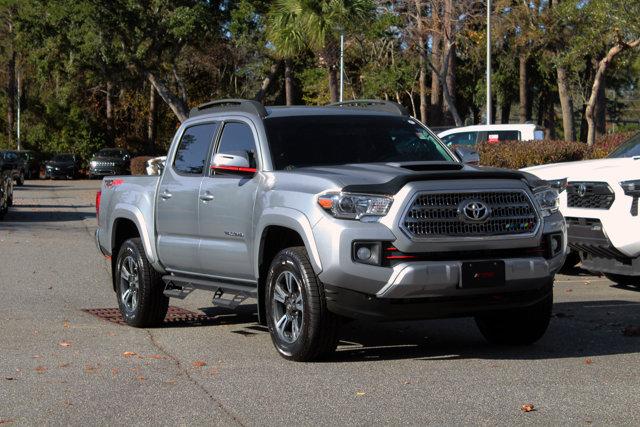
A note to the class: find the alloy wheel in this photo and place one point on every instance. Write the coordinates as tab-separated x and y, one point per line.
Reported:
129	283
288	307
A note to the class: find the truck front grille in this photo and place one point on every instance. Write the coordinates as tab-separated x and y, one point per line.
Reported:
442	215
589	195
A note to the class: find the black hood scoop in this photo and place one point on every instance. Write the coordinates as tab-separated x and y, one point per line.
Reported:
428	166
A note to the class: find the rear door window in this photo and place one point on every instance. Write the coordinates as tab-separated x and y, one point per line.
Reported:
191	155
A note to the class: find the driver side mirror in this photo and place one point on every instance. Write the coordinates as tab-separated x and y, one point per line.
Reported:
232	163
468	156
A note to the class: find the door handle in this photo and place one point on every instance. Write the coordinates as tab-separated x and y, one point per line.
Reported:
165	194
207	197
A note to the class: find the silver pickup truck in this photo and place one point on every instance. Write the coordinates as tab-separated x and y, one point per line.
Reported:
352	210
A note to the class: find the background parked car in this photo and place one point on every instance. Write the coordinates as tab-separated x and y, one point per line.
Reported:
472	135
62	166
109	161
10	163
30	163
6	193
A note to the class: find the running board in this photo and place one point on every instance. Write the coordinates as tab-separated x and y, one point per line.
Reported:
181	286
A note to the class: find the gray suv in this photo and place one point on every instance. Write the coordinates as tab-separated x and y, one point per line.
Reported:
352	210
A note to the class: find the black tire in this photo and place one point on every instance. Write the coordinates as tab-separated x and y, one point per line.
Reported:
20	179
522	326
151	304
318	332
4	202
572	260
623	280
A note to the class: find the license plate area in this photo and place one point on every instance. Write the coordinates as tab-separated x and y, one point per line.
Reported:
482	274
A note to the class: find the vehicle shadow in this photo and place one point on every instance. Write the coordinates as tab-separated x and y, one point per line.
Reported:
14	217
577	329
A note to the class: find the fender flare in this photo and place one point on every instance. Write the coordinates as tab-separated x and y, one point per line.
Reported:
134	214
294	220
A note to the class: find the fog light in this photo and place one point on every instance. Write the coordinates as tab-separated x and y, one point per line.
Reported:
554	244
367	252
363	253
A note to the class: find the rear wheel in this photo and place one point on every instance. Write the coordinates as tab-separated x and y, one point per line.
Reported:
623	280
20	179
139	287
520	326
301	327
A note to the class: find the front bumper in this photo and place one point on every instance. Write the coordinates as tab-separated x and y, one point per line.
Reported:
105	170
59	173
587	236
354	304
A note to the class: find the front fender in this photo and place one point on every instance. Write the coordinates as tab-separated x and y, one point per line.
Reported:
289	218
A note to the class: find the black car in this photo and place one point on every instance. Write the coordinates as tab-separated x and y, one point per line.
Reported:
6	193
62	166
30	163
10	163
109	161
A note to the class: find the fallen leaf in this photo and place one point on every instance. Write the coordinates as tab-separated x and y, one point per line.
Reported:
527	407
156	356
5	421
64	344
66	324
631	331
41	369
114	371
64	365
199	364
68	403
9	378
588	361
128	354
140	378
569	290
90	369
360	393
111	334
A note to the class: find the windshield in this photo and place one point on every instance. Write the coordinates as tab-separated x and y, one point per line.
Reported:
109	152
631	148
300	141
63	158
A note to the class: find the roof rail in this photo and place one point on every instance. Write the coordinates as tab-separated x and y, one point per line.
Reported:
374	104
231	105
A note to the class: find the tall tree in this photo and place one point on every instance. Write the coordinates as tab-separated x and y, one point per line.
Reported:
296	25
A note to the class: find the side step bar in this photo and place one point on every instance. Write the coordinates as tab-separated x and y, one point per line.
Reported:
181	286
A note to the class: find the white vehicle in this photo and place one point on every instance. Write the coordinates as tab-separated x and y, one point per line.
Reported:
155	166
601	210
472	135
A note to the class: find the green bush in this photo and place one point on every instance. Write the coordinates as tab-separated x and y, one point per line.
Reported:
138	165
520	154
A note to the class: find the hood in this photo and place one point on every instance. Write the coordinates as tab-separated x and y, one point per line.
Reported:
389	178
60	163
590	170
116	159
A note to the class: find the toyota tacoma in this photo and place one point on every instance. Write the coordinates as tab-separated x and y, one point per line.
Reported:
352	210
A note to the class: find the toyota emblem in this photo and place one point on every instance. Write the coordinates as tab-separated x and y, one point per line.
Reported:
473	211
581	190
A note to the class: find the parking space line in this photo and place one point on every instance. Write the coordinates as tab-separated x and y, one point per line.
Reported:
611	305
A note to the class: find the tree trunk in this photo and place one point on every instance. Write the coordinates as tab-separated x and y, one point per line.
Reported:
505	111
267	82
334	88
566	104
449	31
177	105
435	110
152	120
422	48
550	121
288	82
109	112
524	99
442	78
603	64
11	97
600	110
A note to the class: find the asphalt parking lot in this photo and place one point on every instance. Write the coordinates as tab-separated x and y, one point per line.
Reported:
62	365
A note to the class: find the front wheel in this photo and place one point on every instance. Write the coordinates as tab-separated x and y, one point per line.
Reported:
20	179
139	287
301	326
520	326
623	280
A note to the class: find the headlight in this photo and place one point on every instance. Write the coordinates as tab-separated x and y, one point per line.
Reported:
355	206
558	184
631	188
547	199
94	163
